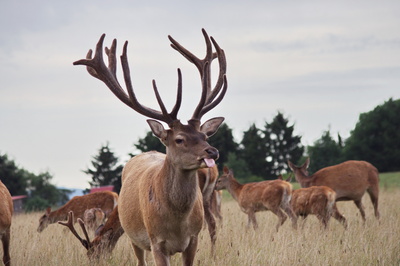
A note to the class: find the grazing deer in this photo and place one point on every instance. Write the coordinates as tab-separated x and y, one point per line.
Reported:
253	197
106	236
93	218
349	180
6	212
105	200
160	204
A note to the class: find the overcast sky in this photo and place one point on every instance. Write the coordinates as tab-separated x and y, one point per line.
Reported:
320	63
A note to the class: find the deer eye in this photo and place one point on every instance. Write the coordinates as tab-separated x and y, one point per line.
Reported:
178	141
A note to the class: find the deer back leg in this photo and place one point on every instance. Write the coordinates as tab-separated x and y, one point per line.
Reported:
374	195
5	239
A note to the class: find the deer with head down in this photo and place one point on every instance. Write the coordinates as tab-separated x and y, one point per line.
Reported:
106	236
253	197
350	180
6	212
160	204
105	200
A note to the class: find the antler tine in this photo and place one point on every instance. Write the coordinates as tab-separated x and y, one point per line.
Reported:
99	70
82	224
70	225
206	102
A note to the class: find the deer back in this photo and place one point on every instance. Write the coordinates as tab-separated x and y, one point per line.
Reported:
349	179
105	200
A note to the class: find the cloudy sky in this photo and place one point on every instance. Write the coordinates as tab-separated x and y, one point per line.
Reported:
320	63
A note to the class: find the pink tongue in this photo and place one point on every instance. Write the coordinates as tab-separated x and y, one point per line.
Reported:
209	162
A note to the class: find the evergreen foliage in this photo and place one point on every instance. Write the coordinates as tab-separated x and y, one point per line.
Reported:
106	169
325	152
281	145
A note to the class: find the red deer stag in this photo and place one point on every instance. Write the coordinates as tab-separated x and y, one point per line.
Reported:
253	197
6	211
349	180
160	203
105	200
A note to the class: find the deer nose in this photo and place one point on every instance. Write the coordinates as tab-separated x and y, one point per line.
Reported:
212	153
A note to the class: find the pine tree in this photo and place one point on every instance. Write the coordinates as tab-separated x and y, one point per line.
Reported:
281	145
253	151
106	169
325	152
223	140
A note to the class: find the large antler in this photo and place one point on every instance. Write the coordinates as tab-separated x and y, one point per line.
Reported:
207	101
70	224
97	68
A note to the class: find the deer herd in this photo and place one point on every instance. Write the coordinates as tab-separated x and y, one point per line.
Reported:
166	199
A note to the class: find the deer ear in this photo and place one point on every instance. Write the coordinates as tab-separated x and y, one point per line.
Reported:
211	126
291	165
306	163
226	170
158	129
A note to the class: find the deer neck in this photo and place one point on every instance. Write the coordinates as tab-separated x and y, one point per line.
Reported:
303	179
57	215
179	187
234	188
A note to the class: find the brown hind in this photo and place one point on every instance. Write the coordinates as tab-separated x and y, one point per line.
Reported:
350	180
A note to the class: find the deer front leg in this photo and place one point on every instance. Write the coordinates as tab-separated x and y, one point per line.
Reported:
159	254
140	255
190	252
252	220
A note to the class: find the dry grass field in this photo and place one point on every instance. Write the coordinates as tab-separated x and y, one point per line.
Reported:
375	243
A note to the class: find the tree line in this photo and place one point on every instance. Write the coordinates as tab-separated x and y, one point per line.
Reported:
261	154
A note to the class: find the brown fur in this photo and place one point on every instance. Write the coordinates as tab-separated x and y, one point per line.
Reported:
207	180
6	211
105	200
319	201
259	196
93	218
349	180
106	236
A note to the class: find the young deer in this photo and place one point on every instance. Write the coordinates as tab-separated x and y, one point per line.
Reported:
349	180
271	195
160	204
317	200
105	200
6	212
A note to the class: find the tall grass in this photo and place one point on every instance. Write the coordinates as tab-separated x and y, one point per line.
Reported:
372	243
